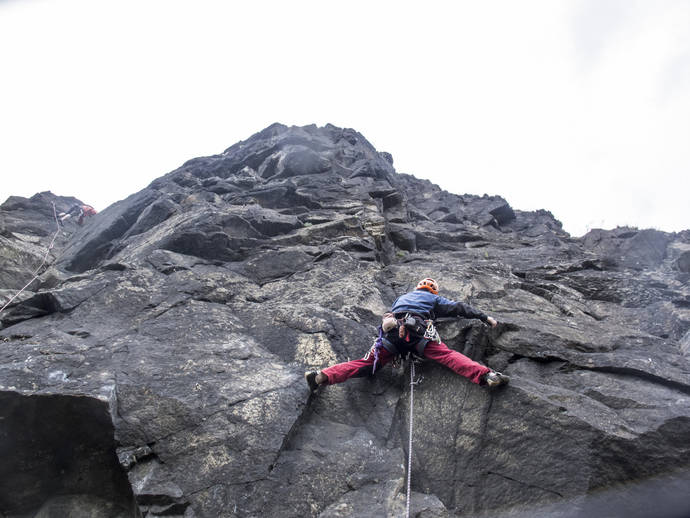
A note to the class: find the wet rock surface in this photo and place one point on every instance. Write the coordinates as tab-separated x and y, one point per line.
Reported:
193	307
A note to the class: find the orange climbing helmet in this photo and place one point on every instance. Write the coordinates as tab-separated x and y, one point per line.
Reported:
428	284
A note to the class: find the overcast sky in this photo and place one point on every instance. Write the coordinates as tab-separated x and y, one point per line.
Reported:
579	107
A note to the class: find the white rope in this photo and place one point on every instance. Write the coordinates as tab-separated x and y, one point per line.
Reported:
409	446
45	258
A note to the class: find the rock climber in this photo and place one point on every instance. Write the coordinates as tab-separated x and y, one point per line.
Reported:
79	211
408	328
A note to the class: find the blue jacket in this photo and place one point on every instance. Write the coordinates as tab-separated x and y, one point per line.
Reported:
430	306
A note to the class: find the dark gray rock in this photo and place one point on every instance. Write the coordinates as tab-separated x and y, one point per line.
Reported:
186	314
630	248
28	226
59	457
683	262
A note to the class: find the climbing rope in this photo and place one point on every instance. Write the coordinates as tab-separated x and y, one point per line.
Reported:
45	258
409	446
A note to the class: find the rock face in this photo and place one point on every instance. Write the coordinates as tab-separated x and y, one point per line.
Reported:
27	228
172	331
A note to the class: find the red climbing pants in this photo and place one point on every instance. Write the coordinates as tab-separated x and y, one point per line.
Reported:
437	351
458	363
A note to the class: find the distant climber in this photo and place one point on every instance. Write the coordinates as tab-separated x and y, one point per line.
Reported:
78	211
409	329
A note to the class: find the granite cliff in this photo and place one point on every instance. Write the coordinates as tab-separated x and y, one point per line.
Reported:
155	367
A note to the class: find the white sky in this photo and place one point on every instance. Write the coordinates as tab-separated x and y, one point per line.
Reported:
579	107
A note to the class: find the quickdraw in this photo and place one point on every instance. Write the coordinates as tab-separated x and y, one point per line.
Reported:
431	333
378	343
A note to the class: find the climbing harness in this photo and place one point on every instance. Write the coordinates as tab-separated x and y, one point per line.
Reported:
412	361
411	328
45	258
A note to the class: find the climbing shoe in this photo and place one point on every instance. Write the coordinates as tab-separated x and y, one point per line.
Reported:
311	380
495	379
